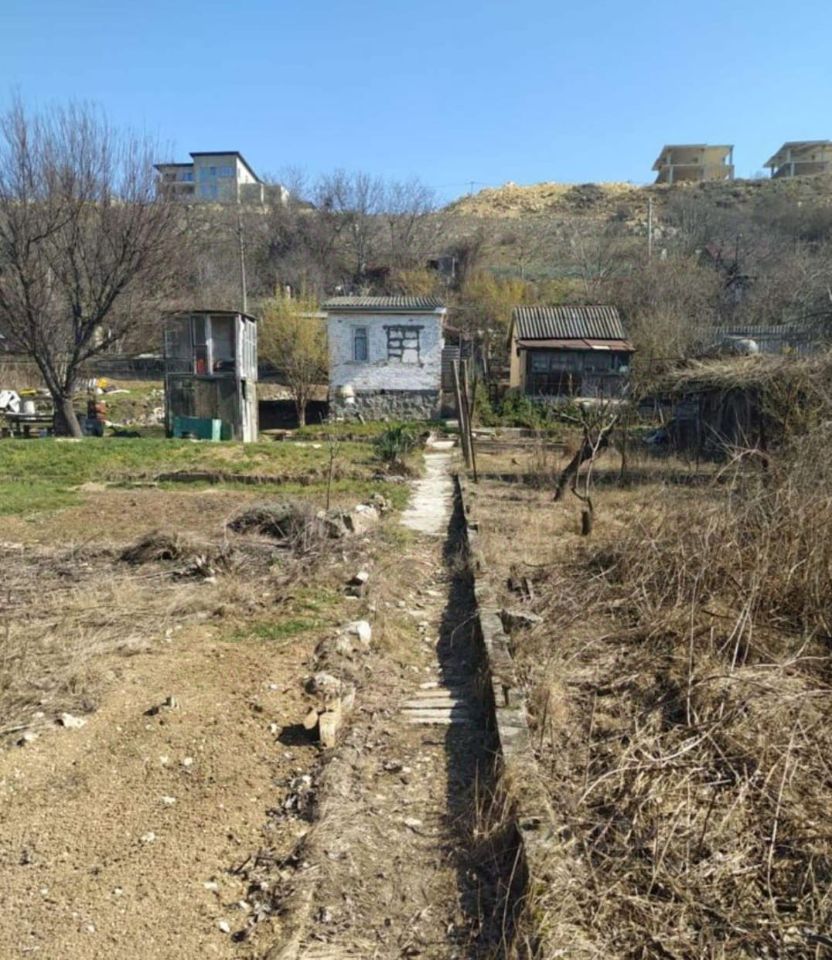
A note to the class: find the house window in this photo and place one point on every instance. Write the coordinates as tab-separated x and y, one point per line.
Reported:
360	351
403	343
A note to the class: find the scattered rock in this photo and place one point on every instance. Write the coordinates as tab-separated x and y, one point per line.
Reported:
324	686
357	585
412	822
27	737
149	837
169	703
70	722
223	926
518	620
168	801
360	629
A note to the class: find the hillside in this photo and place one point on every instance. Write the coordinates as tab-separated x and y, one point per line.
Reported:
627	201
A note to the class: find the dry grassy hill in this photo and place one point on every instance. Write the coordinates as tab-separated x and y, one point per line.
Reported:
625	201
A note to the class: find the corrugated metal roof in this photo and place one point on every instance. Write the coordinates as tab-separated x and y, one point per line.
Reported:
568	323
395	304
623	346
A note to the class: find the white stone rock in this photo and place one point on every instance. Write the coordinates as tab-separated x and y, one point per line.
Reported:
71	722
360	629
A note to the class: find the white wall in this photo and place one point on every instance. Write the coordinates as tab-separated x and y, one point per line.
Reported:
379	373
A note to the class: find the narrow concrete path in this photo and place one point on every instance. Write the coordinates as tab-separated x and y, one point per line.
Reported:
430	506
398	878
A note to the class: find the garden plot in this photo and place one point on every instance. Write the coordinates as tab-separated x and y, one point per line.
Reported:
679	699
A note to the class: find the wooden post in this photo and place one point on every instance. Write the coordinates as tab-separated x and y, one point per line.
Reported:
463	436
468	400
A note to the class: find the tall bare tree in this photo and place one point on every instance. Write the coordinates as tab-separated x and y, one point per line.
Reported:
86	247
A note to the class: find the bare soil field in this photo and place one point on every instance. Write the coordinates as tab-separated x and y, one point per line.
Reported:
152	672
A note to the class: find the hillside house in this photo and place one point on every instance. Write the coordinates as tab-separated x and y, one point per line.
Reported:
211	177
797	158
568	351
211	375
686	162
385	356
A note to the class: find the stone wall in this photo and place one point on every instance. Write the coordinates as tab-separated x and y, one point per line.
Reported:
388	405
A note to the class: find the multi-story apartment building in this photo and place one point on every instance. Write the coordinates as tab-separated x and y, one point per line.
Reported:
212	177
694	162
796	158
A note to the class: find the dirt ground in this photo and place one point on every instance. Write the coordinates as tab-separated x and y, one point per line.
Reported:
111	832
173	815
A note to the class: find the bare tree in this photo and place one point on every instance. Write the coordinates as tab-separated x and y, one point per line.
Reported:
86	247
596	421
407	205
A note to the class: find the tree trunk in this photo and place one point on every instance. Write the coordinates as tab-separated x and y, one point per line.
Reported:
64	421
300	406
571	469
586	519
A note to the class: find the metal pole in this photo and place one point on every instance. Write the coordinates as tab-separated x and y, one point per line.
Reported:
242	244
649	228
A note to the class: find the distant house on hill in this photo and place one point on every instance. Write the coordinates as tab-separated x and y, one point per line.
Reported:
385	356
686	162
212	177
568	351
797	158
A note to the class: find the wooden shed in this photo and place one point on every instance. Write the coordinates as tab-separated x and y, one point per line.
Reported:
211	375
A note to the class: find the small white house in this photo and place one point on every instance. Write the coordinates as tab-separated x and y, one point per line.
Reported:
385	357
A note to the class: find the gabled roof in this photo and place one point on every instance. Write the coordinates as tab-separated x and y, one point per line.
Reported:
383	304
567	323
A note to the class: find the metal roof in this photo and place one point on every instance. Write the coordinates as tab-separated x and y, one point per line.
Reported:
622	346
199	311
567	323
384	304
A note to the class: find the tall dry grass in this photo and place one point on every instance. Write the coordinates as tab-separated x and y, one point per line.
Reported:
684	719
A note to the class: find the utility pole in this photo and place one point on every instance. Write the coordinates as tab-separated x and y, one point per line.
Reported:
649	228
242	245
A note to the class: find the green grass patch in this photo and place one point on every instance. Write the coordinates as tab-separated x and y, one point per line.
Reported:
19	498
275	631
41	474
361	431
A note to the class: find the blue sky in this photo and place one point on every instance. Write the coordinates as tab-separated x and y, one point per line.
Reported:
450	92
